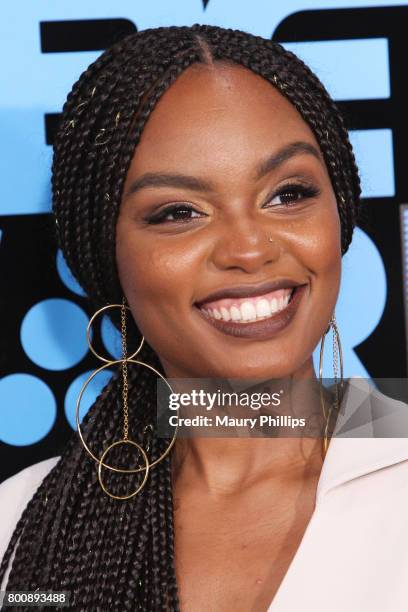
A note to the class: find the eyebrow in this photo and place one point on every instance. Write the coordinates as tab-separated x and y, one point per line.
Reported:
164	179
284	154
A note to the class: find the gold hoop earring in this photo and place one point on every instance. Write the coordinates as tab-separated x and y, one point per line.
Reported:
125	440
337	356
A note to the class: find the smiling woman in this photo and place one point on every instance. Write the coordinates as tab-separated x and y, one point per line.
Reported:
251	170
204	178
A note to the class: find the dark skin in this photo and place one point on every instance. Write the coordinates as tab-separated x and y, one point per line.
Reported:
241	504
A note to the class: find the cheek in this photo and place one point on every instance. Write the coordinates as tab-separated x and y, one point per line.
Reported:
328	244
156	274
317	241
320	252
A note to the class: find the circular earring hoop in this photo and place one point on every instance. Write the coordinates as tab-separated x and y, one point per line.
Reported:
337	335
88	330
336	338
125	439
146	460
86	447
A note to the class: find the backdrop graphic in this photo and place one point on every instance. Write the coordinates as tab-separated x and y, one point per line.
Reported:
359	50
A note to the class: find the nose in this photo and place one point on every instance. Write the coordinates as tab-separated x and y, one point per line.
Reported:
247	246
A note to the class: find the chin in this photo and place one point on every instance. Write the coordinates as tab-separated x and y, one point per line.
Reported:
247	370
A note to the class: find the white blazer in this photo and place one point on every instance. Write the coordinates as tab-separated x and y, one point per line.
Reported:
354	552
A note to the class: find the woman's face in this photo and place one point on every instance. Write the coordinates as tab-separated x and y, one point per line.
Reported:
224	163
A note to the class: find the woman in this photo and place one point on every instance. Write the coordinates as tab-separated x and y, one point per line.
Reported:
196	169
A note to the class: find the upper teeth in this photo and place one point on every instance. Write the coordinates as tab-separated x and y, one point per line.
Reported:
257	308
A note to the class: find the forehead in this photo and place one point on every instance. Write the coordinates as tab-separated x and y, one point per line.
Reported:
217	117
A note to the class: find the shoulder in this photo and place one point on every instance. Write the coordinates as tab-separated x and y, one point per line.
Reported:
32	474
15	493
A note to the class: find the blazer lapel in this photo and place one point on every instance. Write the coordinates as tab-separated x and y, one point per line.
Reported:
371	433
339	549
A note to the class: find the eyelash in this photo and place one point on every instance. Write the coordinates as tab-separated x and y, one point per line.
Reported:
306	191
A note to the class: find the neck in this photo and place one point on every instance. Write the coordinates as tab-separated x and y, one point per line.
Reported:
229	464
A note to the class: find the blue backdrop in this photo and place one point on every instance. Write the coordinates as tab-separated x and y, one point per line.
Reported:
358	50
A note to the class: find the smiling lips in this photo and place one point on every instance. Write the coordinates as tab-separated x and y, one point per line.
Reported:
249	309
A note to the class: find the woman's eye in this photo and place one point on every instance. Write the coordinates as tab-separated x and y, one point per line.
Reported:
291	194
175	213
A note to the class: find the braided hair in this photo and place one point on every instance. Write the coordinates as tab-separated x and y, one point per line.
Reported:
72	536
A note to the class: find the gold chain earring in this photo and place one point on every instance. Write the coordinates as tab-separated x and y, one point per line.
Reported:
338	393
124	440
